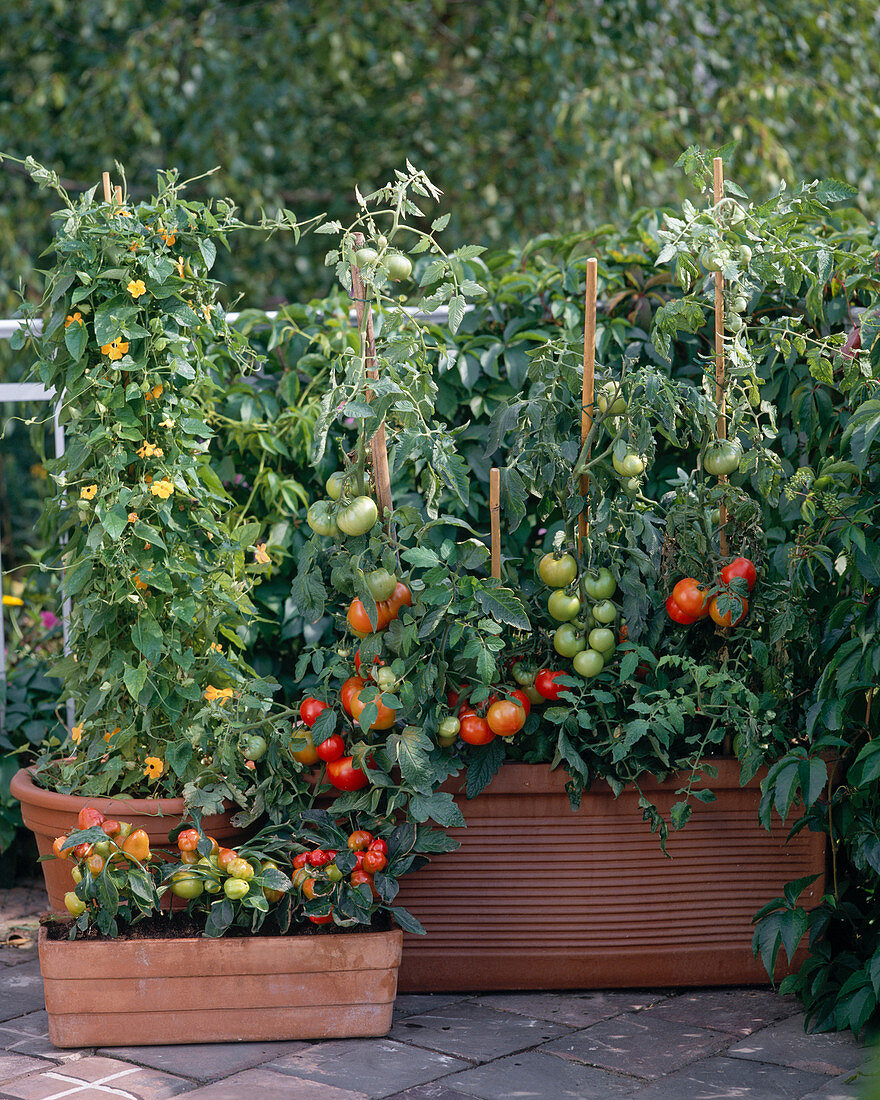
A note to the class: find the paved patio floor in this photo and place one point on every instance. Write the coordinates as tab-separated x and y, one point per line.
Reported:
654	1045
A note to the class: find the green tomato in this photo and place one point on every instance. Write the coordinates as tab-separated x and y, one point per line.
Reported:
101	848
381	243
722	457
733	322
320	517
398	267
333	873
617	406
562	607
386	679
184	884
523	675
365	256
381	584
632	485
235	888
75	905
448	730
557	572
602	639
588	663
712	261
745	254
567	641
76	874
631	465
601	585
254	747
604	612
739	304
535	697
357	517
334	485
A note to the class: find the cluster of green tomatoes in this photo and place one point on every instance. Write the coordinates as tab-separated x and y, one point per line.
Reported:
585	611
341	512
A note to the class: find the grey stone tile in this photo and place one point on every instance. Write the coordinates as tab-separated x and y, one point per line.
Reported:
434	1090
851	1086
106	1077
414	1004
735	1011
14	1065
717	1078
14	956
21	990
787	1044
375	1067
643	1047
30	1035
475	1032
537	1076
574	1009
204	1061
268	1084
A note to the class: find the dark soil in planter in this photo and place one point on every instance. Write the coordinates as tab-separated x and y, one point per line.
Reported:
181	926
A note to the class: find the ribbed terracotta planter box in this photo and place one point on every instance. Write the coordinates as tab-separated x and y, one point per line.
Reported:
539	897
48	815
254	988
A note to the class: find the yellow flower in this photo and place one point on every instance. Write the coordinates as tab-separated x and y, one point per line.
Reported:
162	488
76	734
136	288
115	349
179	266
154	767
216	647
218	695
149	450
132	517
123	213
168	238
111	733
12	601
260	555
166	423
73	318
206	312
155	393
88	491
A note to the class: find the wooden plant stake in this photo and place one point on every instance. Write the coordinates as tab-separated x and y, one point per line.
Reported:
587	391
495	519
378	445
720	379
117	194
108	190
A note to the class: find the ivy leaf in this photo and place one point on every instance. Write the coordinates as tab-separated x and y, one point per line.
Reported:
112	319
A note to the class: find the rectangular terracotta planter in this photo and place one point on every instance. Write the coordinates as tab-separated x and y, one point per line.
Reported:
539	897
146	992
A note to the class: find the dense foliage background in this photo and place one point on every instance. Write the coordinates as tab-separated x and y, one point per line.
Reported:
532	115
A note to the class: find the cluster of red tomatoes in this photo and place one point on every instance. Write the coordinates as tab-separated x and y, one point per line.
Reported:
480	723
690	600
390	595
316	873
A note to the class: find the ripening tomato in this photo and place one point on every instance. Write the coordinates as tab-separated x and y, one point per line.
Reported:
348	690
345	776
89	816
400	597
546	684
524	700
676	614
382	584
360	840
307	753
557	572
331	748
725	619
309	709
506	717
740	567
690	596
359	620
374	861
475	730
326	919
384	720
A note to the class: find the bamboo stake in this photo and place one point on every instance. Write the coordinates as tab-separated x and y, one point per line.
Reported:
378	444
117	194
108	190
588	388
495	518
720	379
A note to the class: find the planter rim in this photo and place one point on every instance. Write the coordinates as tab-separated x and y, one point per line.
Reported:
23	787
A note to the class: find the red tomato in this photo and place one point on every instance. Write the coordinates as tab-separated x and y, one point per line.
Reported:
523	699
351	686
322	920
359	620
690	596
384	720
300	860
506	717
740	567
358	877
357	661
546	684
345	776
309	709
360	840
676	614
475	730
331	749
378	845
318	858
374	861
724	620
401	597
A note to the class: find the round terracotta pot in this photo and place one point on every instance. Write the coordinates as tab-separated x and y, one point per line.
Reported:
49	814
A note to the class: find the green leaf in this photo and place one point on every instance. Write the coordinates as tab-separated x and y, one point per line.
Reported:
76	336
503	606
439	806
115	521
146	635
112	320
410	750
483	765
407	921
178	754
456	312
135	679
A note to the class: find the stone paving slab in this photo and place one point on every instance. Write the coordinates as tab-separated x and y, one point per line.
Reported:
30	1035
16	1065
204	1061
472	1031
95	1079
434	1090
377	1068
642	1047
21	990
734	1011
269	1084
725	1077
573	1009
537	1076
414	1004
785	1043
849	1087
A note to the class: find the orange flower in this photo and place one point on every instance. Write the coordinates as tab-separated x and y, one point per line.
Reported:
260	555
115	349
216	647
76	734
168	238
111	733
138	583
88	491
72	318
162	488
180	267
123	213
154	767
136	288
219	695
155	393
149	450
132	517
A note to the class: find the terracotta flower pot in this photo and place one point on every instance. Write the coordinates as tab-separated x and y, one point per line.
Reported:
539	897
142	992
49	814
